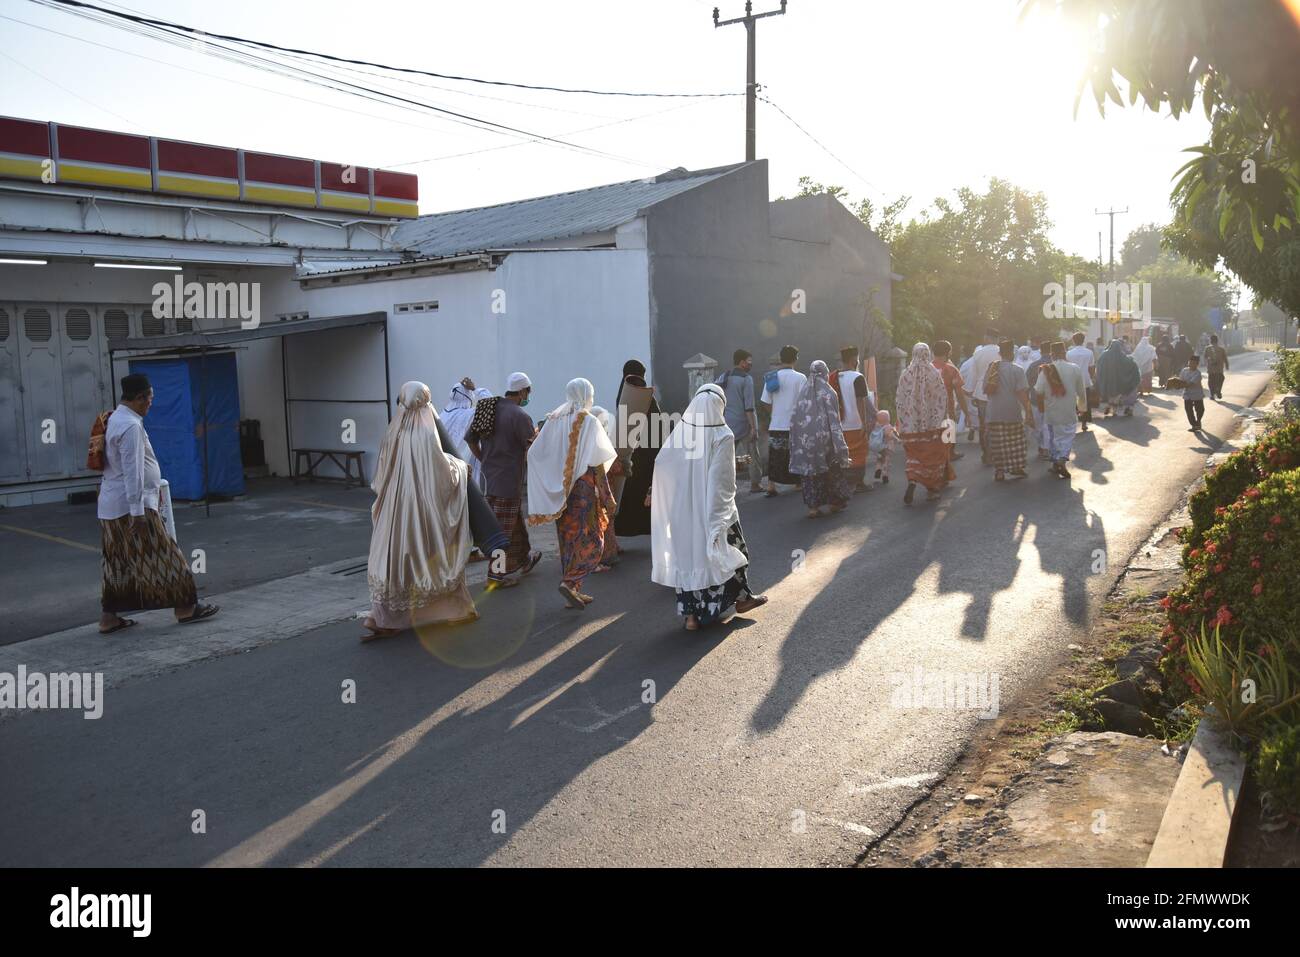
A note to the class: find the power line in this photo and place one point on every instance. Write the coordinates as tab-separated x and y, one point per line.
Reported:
142	26
205	36
822	145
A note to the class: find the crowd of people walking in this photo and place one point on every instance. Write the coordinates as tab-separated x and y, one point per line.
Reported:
468	483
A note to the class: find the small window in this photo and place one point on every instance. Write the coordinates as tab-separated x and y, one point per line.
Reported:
76	322
117	325
37	324
4	325
151	325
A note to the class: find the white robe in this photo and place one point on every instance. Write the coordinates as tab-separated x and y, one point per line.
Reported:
693	500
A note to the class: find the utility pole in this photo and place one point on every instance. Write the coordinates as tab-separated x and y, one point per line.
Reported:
750	20
1112	213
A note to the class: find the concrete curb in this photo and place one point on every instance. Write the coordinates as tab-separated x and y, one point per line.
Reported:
1198	820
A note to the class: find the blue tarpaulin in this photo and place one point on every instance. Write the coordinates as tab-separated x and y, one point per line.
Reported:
195	398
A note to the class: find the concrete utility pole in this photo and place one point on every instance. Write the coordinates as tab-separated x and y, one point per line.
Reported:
750	20
1112	213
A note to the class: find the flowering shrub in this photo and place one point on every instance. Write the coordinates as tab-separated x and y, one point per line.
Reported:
1274	452
1244	576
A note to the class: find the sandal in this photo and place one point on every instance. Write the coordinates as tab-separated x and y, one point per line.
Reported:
494	583
121	624
770	493
586	599
533	558
750	603
692	624
999	476
814	513
571	597
200	612
602	567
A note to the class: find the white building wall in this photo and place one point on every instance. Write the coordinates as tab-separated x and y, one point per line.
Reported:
565	314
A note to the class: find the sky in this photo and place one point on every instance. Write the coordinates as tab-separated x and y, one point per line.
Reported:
894	97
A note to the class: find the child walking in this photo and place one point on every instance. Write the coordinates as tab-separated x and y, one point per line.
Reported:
1193	392
883	441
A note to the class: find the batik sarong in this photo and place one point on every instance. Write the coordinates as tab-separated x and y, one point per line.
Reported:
710	604
143	570
581	527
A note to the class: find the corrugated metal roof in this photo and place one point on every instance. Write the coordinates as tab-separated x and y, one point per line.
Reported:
560	216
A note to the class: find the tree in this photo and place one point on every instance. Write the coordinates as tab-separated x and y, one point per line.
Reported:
1141	248
1237	201
1183	291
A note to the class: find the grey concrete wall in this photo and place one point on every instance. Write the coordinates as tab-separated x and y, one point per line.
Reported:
721	280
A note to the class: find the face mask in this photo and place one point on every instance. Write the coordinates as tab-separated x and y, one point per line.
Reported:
523	401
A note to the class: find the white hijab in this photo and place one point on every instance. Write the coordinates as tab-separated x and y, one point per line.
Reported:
1145	355
456	417
693	499
420	540
571	441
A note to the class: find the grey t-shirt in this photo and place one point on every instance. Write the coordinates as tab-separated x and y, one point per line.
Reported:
1004	405
505	451
1193	379
739	387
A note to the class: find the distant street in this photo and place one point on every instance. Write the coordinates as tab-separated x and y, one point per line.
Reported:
612	736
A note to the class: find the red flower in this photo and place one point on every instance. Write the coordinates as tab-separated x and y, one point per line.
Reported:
1185	607
1275	520
1224	616
1209	593
1218	568
1164	602
1253	493
1194	554
1258	589
1256	563
1212	548
1220	510
1270	536
1191	683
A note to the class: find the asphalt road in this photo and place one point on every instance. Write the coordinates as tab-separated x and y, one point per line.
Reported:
542	736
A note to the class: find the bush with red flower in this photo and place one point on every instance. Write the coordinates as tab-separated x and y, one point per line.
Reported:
1277	451
1244	574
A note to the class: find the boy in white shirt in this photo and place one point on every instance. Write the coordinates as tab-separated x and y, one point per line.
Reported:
781	388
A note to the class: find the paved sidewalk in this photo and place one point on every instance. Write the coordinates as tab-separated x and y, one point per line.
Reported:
249	617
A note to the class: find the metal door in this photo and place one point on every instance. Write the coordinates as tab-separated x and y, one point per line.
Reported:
44	418
83	382
13	440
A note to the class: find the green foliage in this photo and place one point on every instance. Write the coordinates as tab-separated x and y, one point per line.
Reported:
1287	369
1237	201
1141	247
1249	692
1277	450
1183	291
1241	580
1277	766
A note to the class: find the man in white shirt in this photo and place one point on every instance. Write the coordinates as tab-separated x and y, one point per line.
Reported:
1058	390
780	390
143	568
857	412
980	360
1083	358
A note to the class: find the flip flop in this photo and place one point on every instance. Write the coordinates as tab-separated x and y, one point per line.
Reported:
533	558
494	583
121	624
200	612
571	598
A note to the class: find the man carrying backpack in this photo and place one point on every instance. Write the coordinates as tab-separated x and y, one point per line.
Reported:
739	413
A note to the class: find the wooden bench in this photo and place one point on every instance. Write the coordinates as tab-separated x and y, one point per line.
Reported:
315	457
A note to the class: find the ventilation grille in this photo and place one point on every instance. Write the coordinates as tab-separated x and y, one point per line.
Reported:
76	322
36	322
116	324
4	325
184	324
429	306
151	325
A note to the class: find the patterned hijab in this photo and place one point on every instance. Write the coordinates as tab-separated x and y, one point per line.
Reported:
922	398
816	435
